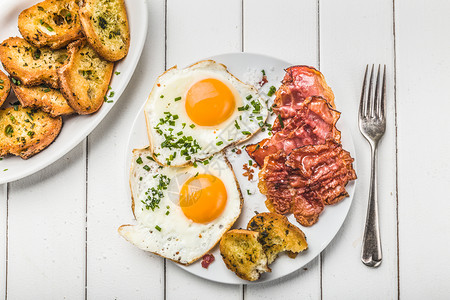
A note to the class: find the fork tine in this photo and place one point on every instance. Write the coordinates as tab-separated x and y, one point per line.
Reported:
376	102
383	95
369	105
362	104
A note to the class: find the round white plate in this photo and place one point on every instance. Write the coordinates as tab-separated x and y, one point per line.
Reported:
75	128
318	236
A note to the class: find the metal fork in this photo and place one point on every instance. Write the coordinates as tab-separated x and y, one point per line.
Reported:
372	124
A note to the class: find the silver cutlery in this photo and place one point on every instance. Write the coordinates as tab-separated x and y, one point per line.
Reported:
372	124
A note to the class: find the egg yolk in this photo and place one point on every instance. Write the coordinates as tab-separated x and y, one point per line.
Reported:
209	102
203	198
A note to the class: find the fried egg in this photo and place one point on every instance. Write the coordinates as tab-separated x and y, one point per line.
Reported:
197	111
181	212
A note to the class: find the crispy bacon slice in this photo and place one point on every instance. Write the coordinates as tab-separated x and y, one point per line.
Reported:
298	84
313	124
306	180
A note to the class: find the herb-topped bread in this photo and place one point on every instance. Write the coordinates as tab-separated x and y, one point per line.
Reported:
105	25
277	234
53	23
5	87
243	254
25	132
30	65
43	97
84	79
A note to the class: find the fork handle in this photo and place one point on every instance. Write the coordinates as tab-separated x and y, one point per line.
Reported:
371	247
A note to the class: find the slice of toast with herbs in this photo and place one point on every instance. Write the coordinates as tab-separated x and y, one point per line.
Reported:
84	79
25	132
29	65
105	24
52	23
277	234
5	87
243	254
47	99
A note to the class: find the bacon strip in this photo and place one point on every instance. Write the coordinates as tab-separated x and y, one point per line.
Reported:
313	124
306	180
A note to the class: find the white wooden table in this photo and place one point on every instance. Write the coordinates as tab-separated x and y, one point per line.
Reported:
58	227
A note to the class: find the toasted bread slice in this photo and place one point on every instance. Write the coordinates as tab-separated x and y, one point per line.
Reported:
53	23
243	254
105	24
31	65
277	234
25	132
47	99
85	78
5	87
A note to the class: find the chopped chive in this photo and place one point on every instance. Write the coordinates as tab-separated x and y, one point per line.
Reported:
263	72
250	162
2	81
219	143
139	160
117	73
246	132
272	91
236	125
177	99
162	96
146	168
281	121
167	213
249	97
192	125
158	228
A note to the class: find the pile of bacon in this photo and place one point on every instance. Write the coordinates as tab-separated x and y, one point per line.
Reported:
303	164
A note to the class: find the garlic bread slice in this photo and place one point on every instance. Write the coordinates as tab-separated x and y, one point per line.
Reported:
243	254
5	87
25	132
30	65
52	23
277	234
84	79
47	99
105	24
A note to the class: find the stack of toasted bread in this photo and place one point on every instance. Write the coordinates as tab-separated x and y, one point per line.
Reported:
249	252
63	65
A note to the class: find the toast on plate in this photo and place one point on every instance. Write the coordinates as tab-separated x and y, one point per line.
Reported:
30	65
52	23
5	87
243	254
47	99
25	132
105	24
277	234
84	79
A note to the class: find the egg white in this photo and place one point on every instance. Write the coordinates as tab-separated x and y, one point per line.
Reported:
163	103
165	230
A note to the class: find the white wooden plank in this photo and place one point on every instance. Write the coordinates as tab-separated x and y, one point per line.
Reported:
115	268
287	30
351	36
195	30
46	231
3	237
423	70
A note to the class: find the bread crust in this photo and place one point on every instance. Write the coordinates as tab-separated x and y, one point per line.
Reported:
84	79
105	24
49	100
5	87
25	132
31	65
53	23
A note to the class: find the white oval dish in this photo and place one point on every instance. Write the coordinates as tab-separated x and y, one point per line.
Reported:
75	128
318	236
